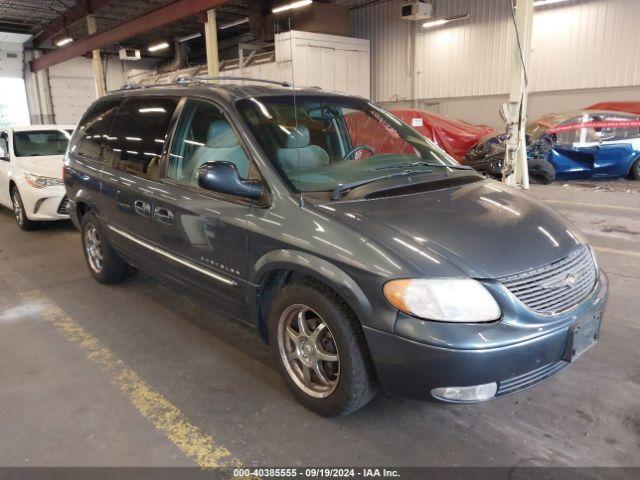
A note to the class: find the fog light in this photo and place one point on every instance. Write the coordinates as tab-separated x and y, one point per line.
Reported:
474	393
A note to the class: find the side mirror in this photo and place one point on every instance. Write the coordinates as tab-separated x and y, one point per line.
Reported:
4	151
223	177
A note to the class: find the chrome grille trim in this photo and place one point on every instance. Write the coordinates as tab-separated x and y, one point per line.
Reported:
548	290
529	379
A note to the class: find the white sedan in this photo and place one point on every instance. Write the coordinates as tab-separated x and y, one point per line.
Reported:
31	183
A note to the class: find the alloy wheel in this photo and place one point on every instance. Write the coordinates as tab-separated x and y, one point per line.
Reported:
308	351
93	247
18	209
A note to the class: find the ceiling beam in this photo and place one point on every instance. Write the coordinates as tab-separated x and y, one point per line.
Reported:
146	22
71	16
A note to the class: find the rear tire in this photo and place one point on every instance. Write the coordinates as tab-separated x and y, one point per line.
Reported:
541	171
635	170
326	362
103	261
20	212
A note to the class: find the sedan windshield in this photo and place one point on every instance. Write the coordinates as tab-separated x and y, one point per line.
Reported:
37	143
320	142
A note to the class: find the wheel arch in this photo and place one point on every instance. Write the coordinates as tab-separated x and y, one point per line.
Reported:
635	159
275	269
82	203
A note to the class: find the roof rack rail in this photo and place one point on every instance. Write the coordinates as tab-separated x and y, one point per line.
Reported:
186	80
130	86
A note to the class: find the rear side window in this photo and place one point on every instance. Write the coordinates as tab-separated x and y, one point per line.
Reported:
138	134
92	133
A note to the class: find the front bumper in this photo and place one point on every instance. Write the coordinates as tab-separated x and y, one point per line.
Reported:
410	368
43	204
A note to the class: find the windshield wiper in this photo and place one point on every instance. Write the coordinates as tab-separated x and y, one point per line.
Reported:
419	164
343	187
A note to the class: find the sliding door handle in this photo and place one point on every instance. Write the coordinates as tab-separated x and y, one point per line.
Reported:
163	215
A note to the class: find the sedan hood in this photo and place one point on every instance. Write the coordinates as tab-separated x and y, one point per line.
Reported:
44	165
486	229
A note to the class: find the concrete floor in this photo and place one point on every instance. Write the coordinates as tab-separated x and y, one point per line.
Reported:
60	404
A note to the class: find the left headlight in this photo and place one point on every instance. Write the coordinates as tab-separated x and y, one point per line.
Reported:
36	181
445	300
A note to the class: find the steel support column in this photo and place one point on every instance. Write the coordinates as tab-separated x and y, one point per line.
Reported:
96	61
515	171
211	40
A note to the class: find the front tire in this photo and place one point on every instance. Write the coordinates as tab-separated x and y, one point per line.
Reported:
320	350
20	212
103	261
635	170
541	171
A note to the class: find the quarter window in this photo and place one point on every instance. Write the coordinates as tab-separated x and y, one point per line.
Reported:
138	134
204	135
93	132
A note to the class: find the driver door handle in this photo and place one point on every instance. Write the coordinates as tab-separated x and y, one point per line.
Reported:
163	215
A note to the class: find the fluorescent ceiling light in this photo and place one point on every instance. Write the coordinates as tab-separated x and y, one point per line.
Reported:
291	6
435	23
235	23
152	110
442	21
63	41
539	3
186	38
158	46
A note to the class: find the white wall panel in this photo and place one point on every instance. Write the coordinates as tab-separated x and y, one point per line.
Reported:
73	87
575	44
333	63
11	60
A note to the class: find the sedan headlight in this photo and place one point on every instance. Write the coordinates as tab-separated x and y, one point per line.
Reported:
444	300
36	181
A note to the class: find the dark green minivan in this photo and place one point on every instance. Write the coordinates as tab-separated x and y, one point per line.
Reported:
362	253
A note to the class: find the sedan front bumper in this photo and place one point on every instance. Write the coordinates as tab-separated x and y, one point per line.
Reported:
44	204
410	368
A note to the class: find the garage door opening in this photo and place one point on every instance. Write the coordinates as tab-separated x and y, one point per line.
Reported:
13	103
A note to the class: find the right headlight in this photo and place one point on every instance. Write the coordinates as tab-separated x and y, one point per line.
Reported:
443	299
37	181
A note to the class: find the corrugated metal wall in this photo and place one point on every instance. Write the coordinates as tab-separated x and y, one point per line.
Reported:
576	44
73	88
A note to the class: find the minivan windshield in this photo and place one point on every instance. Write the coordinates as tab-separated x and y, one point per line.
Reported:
36	143
318	142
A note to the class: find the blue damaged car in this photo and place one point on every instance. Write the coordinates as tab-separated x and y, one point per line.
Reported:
587	144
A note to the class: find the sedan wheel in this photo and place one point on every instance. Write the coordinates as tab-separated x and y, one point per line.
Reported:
18	209
308	350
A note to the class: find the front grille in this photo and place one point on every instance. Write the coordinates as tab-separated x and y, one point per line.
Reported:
63	209
529	379
557	286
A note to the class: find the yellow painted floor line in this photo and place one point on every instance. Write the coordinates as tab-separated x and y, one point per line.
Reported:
166	417
594	205
615	251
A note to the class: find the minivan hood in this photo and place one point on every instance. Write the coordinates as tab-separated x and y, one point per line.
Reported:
486	229
43	165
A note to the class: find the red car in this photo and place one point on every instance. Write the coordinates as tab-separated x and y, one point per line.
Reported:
454	136
628	107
